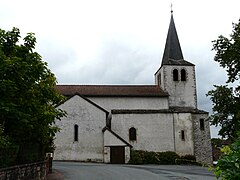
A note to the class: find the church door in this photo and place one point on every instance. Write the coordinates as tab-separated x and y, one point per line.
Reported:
117	155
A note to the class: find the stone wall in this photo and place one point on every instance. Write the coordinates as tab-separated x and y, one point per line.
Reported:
36	171
202	139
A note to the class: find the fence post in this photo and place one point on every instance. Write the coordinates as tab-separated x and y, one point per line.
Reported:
49	161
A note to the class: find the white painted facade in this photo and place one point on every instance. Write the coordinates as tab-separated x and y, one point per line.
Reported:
182	93
131	102
154	131
183	122
90	120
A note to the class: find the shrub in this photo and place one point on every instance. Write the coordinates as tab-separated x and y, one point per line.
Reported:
136	157
188	157
167	157
187	162
150	158
145	157
228	166
8	156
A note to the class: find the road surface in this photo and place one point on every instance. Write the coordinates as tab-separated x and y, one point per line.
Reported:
94	171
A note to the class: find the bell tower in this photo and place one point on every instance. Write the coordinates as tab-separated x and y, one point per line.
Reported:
176	75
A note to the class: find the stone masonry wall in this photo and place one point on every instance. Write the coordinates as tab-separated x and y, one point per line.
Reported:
33	171
202	139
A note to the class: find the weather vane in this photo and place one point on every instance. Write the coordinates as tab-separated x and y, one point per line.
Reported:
171	8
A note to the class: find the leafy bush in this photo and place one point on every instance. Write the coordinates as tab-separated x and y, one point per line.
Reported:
187	162
4	140
136	157
168	157
8	156
228	166
189	157
150	158
145	157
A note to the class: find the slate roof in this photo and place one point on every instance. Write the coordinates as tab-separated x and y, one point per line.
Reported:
173	53
157	111
112	90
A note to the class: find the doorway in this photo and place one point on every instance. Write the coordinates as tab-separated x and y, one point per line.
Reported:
117	155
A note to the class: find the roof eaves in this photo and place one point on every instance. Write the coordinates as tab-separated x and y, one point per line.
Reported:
116	135
86	99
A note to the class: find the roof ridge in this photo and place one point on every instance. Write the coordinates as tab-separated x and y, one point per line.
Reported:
112	90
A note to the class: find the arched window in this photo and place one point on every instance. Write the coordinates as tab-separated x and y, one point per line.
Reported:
175	75
132	134
183	75
75	132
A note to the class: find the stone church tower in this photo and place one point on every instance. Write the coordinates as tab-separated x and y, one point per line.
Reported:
176	75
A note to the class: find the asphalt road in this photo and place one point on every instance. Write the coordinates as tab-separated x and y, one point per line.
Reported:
93	171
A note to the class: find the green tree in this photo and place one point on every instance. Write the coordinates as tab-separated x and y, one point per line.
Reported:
27	89
226	100
4	142
226	103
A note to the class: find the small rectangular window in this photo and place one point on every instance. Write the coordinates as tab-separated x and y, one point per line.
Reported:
202	127
75	132
182	135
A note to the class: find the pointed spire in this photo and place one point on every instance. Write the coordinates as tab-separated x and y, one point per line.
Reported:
172	49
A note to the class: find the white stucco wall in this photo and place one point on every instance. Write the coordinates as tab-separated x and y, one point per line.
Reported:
109	103
127	154
154	131
106	154
182	93
111	140
183	121
91	121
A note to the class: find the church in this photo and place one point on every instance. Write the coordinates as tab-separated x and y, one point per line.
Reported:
104	122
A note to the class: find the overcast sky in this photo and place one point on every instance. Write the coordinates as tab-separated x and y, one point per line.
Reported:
122	41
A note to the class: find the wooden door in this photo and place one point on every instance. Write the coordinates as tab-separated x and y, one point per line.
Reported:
117	155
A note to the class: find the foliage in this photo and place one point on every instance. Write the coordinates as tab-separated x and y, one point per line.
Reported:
226	103
228	167
188	157
28	96
136	157
8	156
168	157
4	140
217	142
227	53
226	108
226	100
